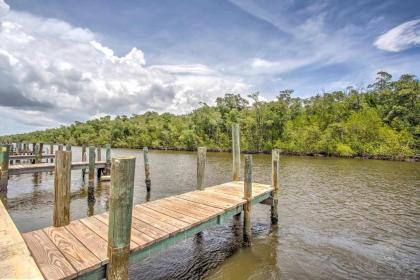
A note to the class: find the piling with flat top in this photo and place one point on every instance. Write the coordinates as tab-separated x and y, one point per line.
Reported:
83	159
52	151
99	153
201	166
236	152
147	169
60	147
68	147
62	179
4	167
91	195
120	215
37	153
275	184
108	159
248	197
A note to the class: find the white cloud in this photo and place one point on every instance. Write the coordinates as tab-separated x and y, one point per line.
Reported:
401	37
51	70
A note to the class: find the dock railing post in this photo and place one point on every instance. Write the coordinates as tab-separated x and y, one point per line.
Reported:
91	194
201	167
84	160
248	197
236	152
62	183
108	159
120	215
4	167
147	180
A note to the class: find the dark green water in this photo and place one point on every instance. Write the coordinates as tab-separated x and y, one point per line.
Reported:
338	218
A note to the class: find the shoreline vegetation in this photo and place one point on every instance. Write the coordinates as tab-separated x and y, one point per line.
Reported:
379	122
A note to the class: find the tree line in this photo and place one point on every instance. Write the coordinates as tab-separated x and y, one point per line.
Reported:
380	121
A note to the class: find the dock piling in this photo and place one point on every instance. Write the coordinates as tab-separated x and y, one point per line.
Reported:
275	183
201	166
108	159
99	153
148	181
236	152
248	197
83	159
68	147
120	215
4	167
60	147
52	151
62	183
91	195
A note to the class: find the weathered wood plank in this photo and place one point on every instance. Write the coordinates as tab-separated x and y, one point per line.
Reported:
49	259
172	211
74	251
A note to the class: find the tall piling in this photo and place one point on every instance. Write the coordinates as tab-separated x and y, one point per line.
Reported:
68	147
99	153
52	152
62	183
84	157
120	215
91	185
107	159
201	167
4	167
147	180
248	198
275	184
236	152
60	147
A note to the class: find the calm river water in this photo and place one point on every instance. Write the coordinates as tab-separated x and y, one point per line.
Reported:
338	218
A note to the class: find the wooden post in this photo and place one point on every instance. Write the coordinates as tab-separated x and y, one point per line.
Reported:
91	195
4	167
62	179
68	147
147	169
84	160
120	215
201	166
60	147
275	182
52	152
99	153
108	159
37	153
236	152
248	197
274	156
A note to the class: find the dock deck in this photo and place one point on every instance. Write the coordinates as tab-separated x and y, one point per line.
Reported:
79	250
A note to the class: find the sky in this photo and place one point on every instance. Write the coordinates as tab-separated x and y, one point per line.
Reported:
67	61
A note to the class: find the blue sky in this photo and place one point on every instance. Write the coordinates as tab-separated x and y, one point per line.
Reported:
133	56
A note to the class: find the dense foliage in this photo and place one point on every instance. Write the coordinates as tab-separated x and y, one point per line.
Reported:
382	121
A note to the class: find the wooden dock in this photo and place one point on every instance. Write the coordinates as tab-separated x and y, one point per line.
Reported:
15	259
80	248
43	167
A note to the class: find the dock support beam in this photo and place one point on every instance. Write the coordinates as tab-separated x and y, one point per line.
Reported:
201	167
248	198
148	181
120	215
108	159
62	183
91	188
4	167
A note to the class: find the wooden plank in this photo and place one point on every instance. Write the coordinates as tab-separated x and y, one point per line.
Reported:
49	259
139	238
155	233
207	199
44	167
173	211
101	229
186	210
164	218
75	252
13	251
92	241
137	213
196	207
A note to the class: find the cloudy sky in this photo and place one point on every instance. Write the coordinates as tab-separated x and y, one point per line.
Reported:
62	61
